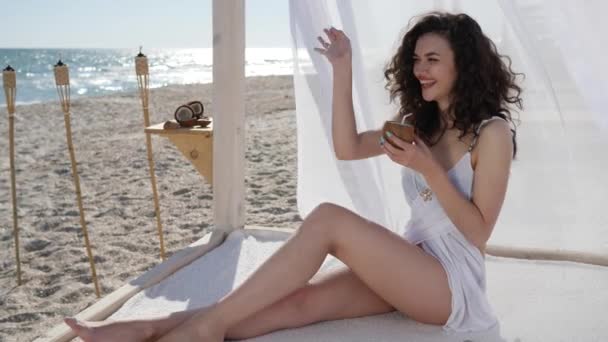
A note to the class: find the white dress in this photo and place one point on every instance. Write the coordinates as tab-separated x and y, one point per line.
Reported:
430	227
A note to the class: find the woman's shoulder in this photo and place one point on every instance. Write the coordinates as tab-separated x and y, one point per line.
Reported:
497	123
494	135
495	126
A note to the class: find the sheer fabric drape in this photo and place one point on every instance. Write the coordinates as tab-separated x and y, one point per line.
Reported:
558	183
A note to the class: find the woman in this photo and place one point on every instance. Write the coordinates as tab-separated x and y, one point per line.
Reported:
448	74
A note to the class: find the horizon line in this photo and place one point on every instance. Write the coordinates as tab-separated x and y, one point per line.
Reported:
124	48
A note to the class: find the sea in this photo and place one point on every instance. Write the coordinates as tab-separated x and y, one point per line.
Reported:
95	72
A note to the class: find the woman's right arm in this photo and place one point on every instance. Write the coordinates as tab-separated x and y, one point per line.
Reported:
348	144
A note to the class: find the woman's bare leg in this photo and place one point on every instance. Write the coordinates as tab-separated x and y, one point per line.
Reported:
360	244
326	297
144	329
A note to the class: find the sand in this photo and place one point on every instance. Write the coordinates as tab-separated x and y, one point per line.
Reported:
111	153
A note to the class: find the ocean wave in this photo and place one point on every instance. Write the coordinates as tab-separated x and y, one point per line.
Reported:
106	71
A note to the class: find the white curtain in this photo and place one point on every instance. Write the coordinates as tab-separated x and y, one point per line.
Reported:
558	186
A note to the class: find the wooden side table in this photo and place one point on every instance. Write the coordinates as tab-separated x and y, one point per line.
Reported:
196	144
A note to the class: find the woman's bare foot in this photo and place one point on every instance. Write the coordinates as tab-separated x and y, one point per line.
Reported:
110	331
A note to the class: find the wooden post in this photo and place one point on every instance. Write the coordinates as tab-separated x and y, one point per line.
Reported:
10	88
229	116
141	70
62	81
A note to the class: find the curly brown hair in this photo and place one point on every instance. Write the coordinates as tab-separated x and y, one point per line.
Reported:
484	86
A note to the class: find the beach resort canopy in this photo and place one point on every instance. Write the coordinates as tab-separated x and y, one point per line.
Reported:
554	205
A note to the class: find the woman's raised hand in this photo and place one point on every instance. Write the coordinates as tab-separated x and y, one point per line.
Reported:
338	49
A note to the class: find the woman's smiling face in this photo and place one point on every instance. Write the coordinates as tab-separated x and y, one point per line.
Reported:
434	67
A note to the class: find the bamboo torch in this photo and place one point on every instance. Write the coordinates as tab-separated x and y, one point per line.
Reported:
62	81
141	69
10	90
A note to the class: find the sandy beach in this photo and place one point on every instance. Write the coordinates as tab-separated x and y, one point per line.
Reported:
111	153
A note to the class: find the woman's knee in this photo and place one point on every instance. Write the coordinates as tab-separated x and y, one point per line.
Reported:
327	212
323	218
325	208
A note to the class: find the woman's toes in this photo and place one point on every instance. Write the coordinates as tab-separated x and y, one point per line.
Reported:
73	323
79	327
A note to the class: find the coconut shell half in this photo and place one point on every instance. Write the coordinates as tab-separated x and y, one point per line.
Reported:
197	108
203	122
184	113
404	131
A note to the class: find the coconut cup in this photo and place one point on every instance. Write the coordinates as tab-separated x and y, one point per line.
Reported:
403	131
184	115
203	122
171	125
189	123
197	108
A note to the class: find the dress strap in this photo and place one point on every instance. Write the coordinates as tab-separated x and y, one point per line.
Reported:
478	130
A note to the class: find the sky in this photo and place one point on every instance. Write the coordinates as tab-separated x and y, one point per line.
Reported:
129	23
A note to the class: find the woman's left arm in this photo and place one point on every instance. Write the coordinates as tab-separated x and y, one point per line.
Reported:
475	218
